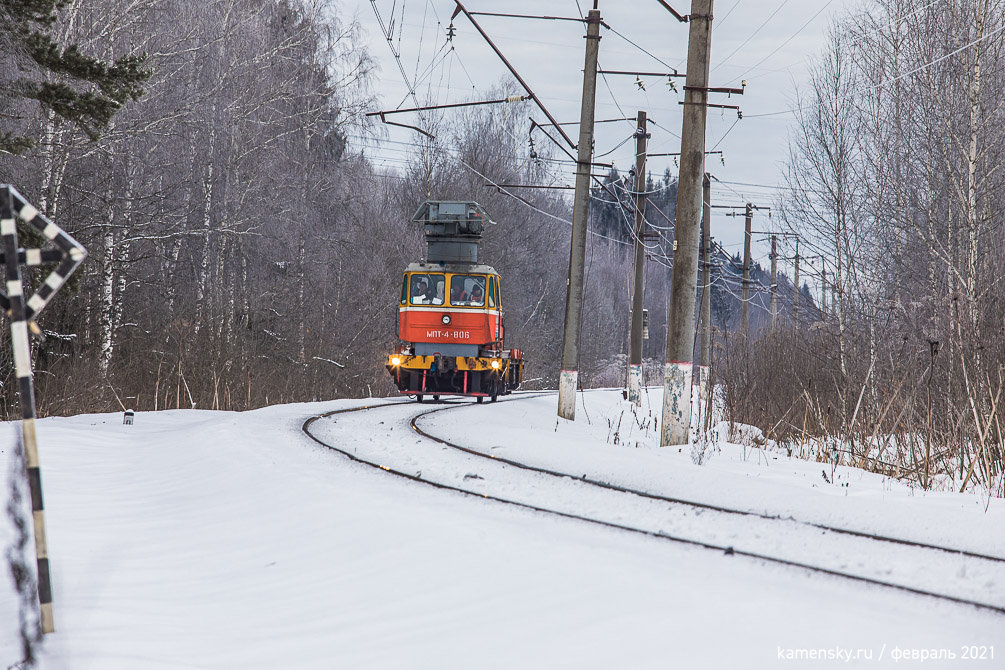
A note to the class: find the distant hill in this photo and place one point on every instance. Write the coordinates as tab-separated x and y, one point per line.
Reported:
727	292
610	210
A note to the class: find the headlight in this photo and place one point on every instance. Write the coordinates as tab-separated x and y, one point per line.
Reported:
395	360
445	319
496	364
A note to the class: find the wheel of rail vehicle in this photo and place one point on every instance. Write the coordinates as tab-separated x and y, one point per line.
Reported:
418	398
480	399
436	397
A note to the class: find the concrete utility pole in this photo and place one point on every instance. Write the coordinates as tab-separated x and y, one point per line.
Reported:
676	419
747	262
638	285
705	356
795	289
569	378
706	276
745	302
774	282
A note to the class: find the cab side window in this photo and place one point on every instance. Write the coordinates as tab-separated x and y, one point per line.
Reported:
492	291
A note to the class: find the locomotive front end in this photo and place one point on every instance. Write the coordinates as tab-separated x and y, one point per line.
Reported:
450	316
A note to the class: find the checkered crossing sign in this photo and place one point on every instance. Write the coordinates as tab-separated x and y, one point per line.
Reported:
67	254
65	251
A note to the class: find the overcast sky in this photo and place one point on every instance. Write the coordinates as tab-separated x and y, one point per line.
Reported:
768	43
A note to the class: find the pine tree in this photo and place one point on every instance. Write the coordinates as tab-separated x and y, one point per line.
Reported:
80	89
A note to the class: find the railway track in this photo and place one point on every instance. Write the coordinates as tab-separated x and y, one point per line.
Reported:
963	576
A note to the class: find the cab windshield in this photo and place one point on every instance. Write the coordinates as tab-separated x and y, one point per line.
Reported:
467	290
426	289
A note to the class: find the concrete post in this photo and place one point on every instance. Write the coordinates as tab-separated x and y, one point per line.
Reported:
569	379
774	282
676	418
745	302
638	284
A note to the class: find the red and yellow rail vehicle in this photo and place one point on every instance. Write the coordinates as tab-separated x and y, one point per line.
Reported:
450	318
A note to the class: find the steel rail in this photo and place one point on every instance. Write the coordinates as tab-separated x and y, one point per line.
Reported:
708	506
727	550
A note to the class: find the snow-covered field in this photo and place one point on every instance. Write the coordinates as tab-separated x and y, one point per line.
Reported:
198	539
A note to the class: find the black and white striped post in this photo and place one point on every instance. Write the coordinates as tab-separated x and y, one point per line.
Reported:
68	254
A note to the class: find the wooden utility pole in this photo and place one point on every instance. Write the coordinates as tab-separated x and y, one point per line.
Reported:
638	284
774	282
795	289
569	378
745	302
676	418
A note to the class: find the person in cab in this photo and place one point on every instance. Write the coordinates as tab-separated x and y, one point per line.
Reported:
458	296
427	290
420	291
477	295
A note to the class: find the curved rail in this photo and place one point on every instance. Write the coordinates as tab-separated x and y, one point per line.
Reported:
728	550
691	503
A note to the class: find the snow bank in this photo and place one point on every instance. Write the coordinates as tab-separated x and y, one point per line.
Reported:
197	539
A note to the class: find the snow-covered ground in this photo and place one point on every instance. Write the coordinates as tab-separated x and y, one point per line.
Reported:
198	539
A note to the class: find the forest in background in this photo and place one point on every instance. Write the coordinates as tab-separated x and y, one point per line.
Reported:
246	251
243	249
895	179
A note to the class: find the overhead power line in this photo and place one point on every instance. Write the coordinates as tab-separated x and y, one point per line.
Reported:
462	9
887	82
752	35
812	18
394	52
785	43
